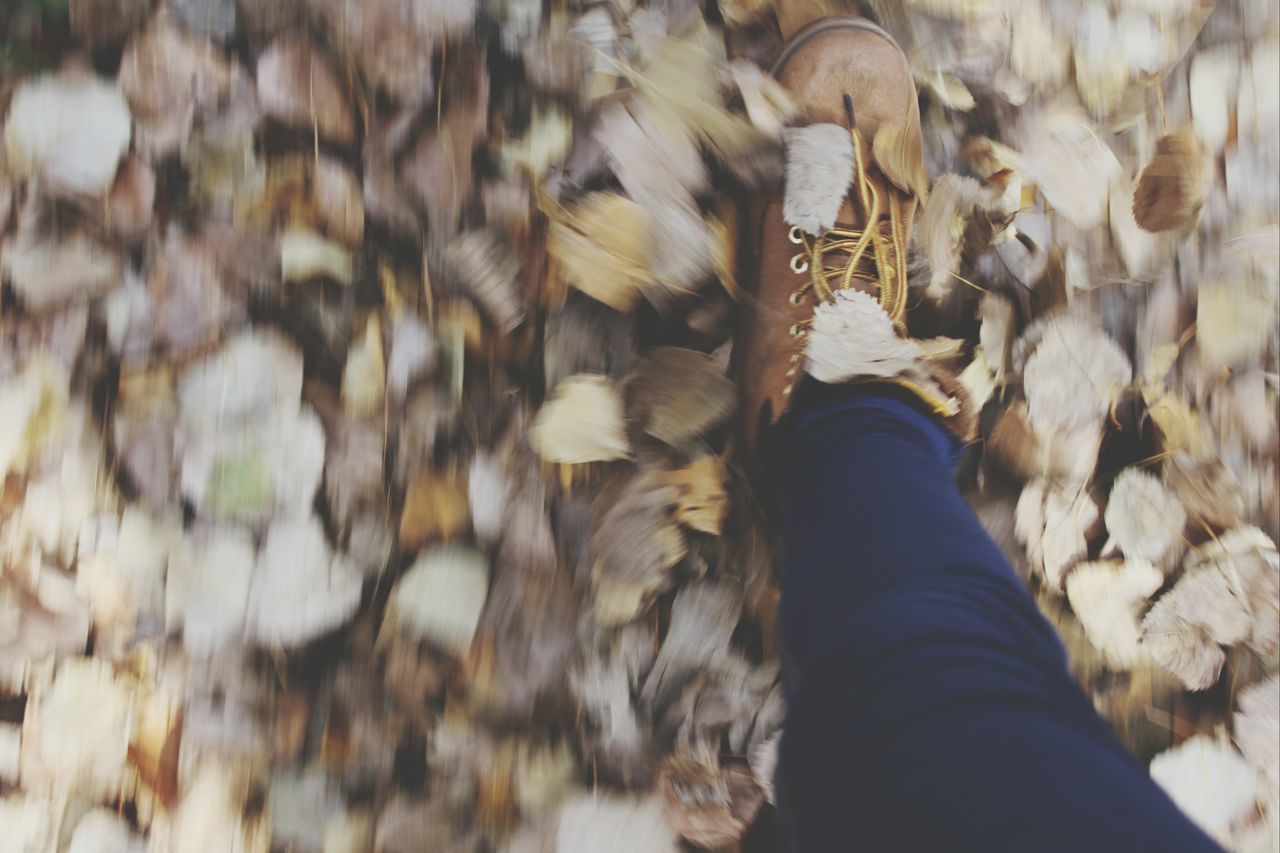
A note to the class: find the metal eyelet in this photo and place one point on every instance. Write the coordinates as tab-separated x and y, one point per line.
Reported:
795	358
796	297
791	371
786	391
798	331
799	263
794	235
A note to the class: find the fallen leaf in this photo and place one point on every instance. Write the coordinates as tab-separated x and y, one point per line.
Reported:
679	395
301	588
305	255
1106	597
580	422
1234	321
207	591
1255	726
1071	165
64	748
1209	781
298	87
708	805
364	376
47	272
99	22
899	152
435	510
603	247
317	191
769	104
1144	518
1174	185
1226	596
1213	72
214	18
1073	376
170	78
1054	524
69	131
949	90
592	822
488	271
440	598
702	501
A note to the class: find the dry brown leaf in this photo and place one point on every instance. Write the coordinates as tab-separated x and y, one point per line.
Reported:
99	22
1174	185
436	173
318	191
679	395
299	87
580	422
603	246
170	78
193	301
489	271
392	41
703	618
127	209
899	153
709	805
702	501
435	510
634	544
738	13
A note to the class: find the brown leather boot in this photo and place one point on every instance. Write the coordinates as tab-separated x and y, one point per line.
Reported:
848	72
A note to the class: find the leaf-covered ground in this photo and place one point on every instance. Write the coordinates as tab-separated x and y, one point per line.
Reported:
366	465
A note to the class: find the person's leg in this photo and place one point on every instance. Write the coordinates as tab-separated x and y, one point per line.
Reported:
929	704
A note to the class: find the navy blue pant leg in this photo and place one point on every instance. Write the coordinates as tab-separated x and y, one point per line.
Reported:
929	703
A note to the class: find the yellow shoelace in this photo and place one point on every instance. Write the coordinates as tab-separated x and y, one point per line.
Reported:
838	256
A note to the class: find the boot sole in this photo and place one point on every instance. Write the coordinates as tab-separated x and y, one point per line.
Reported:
825	25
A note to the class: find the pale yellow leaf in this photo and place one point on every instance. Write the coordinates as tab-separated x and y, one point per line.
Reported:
581	422
701	502
603	246
364	380
900	155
